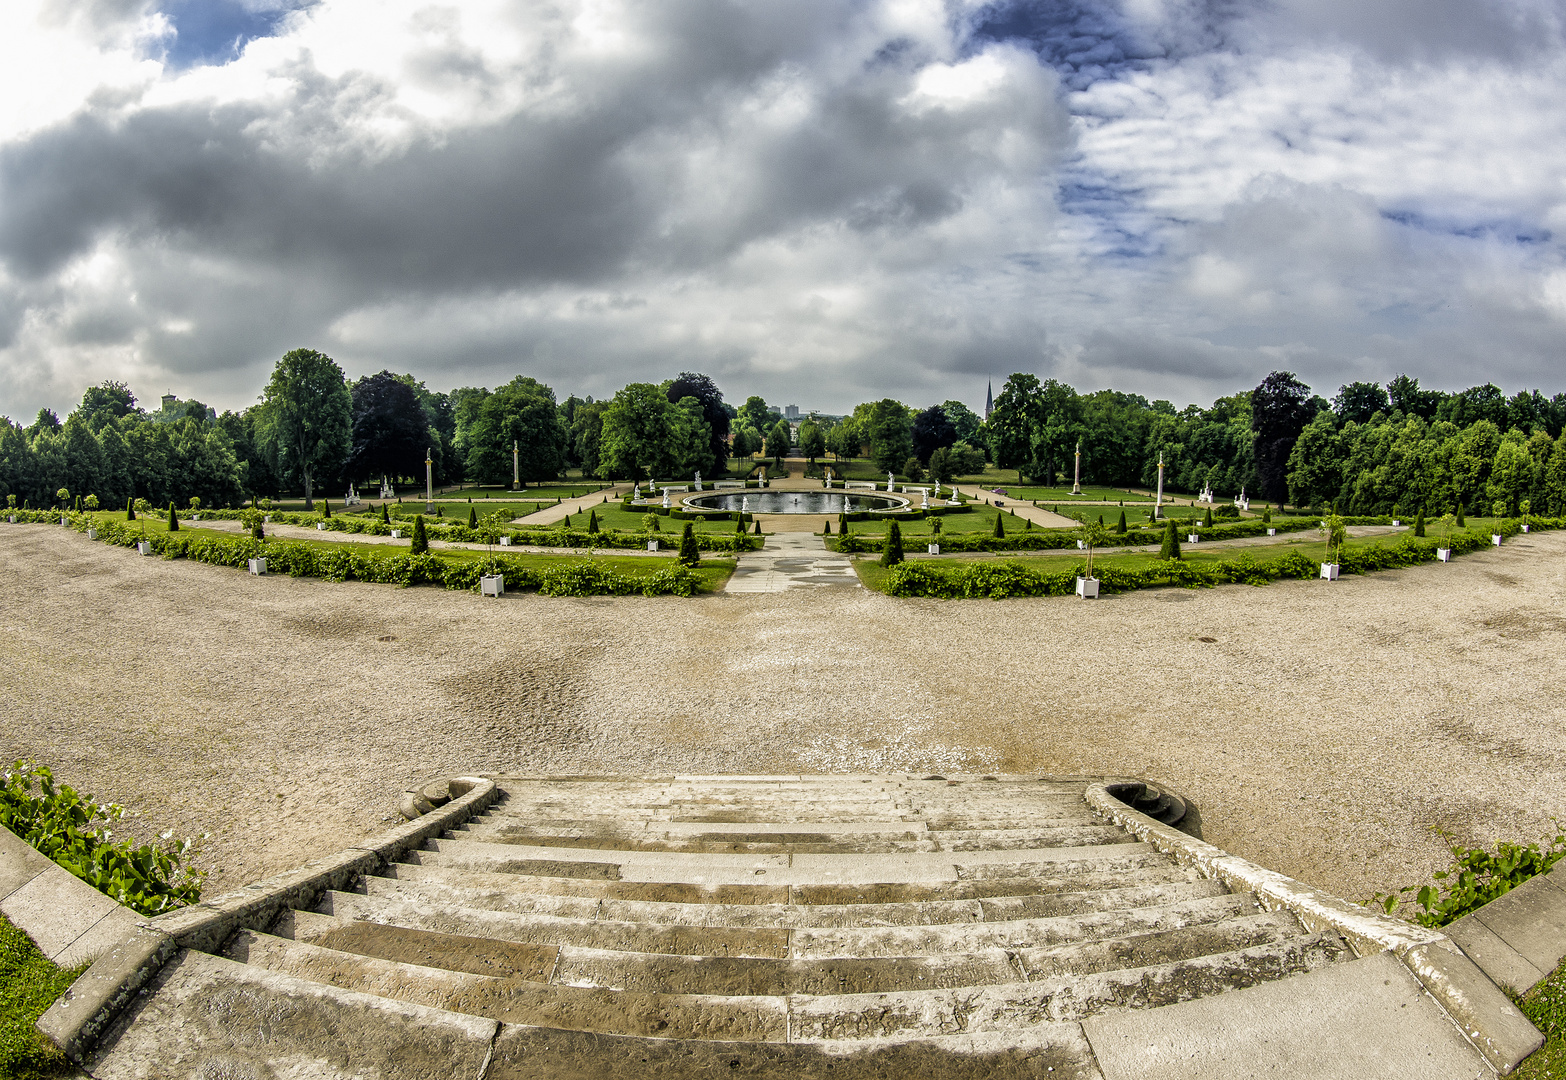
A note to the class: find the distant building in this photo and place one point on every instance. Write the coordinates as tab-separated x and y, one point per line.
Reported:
791	412
169	401
989	400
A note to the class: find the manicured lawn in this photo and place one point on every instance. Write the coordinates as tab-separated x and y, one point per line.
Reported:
548	491
614	516
1063	495
458	511
1545	1005
28	986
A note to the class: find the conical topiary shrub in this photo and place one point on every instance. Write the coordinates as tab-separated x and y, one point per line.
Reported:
1000	527
1419	524
385	517
173	519
473	517
739	523
758	526
1208	520
1121	526
421	543
826	527
892	550
690	555
130	509
326	508
1171	545
566	524
592	521
1461	524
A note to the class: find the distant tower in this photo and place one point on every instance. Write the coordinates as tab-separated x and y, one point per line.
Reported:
989	400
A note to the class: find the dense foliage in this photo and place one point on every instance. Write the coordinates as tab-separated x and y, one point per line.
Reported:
74	831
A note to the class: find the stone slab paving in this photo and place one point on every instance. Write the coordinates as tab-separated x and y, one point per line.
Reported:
792	561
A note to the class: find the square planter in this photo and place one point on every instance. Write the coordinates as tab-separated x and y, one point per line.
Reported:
1087	588
1329	571
396	534
505	541
935	549
65	520
92	534
1444	554
1396	521
320	526
144	547
492	585
1272	532
13	519
1525	528
1192	538
267	518
652	545
258	567
1081	545
1495	538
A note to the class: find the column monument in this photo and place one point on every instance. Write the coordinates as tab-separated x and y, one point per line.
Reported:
1076	477
429	482
1158	503
516	467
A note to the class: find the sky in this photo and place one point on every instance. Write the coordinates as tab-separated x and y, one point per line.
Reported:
820	202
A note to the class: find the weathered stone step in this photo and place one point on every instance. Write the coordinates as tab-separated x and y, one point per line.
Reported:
205	1016
899	941
1053	835
663	1016
618	823
542	929
1046	1052
1141	867
801	869
1019	1006
1155	887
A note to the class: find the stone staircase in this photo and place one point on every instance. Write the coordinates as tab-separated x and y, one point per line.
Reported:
865	926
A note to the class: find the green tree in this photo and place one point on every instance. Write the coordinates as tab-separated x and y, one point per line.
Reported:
892	550
690	555
1171	545
1000	526
523	414
390	429
307	418
778	440
173	519
1511	472
891	434
757	413
1120	527
420	543
812	443
714	460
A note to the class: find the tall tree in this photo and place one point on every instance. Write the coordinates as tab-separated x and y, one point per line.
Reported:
812	443
932	430
1357	402
757	413
1280	409
703	389
891	435
105	402
1013	420
965	420
521	413
390	428
307	418
636	441
779	439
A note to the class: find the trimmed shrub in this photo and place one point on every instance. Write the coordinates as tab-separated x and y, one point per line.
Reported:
689	555
592	521
758	526
1171	545
130	508
1120	528
421	542
826	527
326	508
173	519
1000	527
892	552
1419	524
385	517
473	517
1208	520
1460	523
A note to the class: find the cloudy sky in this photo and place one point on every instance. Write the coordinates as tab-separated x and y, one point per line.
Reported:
819	201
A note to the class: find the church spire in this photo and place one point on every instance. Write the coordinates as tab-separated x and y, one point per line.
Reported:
989	400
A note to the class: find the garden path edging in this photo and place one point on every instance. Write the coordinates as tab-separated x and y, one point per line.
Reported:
79	1016
68	919
1519	938
1483	1012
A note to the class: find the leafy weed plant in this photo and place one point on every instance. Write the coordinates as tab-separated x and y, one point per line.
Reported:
1475	877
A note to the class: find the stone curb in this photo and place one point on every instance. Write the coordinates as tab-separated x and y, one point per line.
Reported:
1486	1016
91	1003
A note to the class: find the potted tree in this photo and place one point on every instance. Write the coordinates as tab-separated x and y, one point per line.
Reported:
1523	506
64	495
1336	534
650	523
1445	553
492	582
935	536
195	508
1093	535
1498	508
10	504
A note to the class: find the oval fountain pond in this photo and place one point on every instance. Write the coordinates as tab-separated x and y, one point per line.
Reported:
795	502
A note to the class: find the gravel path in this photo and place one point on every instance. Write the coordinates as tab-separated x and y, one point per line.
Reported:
1323	733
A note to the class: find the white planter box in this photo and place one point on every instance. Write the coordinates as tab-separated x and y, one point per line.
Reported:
1080	545
1525	528
13	519
1495	538
1444	554
258	567
1329	571
1272	532
195	517
65	520
144	547
505	541
396	534
92	534
267	518
1396	521
1192	538
652	545
1087	588
492	585
935	549
320	526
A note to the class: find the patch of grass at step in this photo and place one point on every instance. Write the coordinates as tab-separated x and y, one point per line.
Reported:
29	983
1545	1005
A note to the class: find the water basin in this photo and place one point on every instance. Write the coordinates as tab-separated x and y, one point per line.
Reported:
796	502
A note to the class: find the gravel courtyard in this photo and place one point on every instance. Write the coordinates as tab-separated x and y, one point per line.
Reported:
1325	731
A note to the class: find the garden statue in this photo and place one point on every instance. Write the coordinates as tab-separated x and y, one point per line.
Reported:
924	503
888	481
666	498
744	504
698	479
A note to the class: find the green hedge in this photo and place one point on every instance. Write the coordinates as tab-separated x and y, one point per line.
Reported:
998	581
352	562
1020	539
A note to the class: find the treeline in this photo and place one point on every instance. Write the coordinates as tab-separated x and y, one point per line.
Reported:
1369	450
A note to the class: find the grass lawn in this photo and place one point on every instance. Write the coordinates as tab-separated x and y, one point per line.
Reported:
1063	495
550	492
874	575
28	986
1545	1005
458	511
714	570
613	516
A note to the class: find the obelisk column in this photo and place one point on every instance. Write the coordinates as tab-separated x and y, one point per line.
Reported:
1158	505
1076	478
429	482
516	467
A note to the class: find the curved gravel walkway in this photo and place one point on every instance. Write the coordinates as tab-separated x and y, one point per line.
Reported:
1324	731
